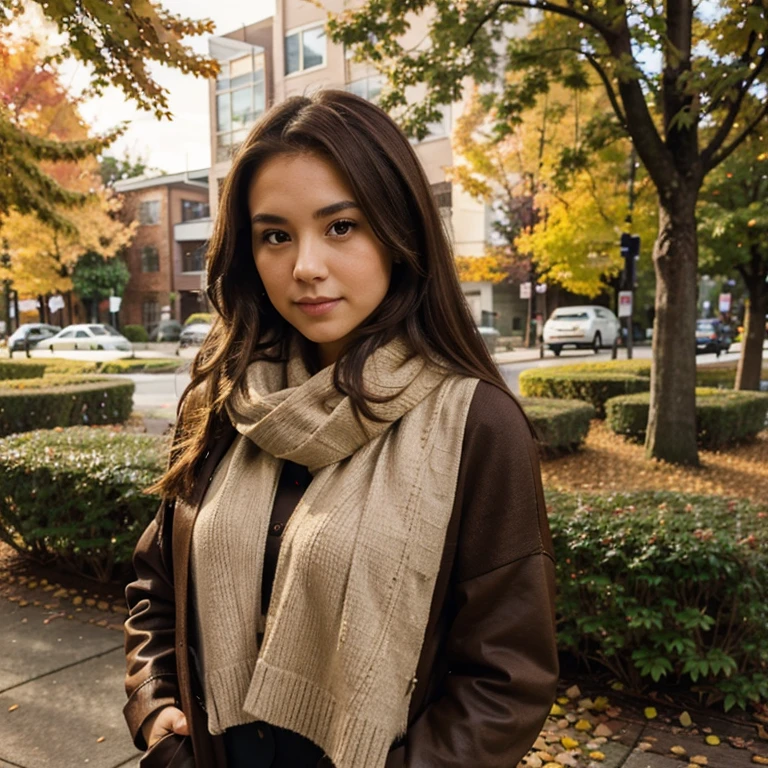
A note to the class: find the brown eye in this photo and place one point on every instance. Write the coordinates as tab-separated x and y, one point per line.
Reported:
343	227
275	237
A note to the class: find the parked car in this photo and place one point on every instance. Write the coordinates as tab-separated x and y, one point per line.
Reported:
712	336
87	336
165	330
31	333
584	327
194	335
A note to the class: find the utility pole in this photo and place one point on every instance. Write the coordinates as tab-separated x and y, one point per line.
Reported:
630	250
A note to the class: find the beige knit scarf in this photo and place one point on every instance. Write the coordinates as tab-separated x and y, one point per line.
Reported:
359	557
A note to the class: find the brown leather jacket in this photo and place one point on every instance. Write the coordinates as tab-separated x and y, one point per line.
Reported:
488	669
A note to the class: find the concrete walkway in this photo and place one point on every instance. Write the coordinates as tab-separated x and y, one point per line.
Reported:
61	690
61	699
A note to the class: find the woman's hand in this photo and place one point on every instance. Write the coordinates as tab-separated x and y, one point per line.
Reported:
167	720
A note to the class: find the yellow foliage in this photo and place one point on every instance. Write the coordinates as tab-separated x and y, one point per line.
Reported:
478	269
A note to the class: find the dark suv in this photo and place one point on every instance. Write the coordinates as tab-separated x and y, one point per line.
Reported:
712	336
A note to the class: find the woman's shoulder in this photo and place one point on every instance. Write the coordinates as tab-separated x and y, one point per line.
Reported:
496	414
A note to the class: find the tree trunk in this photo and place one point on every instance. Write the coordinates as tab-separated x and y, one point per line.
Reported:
671	433
749	370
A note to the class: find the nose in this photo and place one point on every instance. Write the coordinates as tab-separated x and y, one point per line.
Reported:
310	265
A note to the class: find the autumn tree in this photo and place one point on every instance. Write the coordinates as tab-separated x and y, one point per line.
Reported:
44	254
117	41
678	77
733	228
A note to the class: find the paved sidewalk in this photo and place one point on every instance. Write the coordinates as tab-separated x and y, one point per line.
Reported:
61	699
61	690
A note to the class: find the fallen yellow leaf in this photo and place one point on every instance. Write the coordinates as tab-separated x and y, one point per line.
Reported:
557	710
597	755
601	704
699	760
678	750
685	720
13	707
712	740
650	713
583	725
562	700
100	739
569	743
760	760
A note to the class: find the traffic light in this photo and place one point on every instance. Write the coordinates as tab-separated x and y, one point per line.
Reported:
630	251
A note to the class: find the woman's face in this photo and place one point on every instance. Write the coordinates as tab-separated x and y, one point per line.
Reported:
322	267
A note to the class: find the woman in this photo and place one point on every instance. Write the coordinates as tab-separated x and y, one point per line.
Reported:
345	414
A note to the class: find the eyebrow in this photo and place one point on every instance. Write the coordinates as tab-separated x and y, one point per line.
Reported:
329	210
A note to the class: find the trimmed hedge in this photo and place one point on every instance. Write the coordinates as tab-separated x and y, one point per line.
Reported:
199	317
11	369
73	497
135	333
665	586
53	366
141	365
720	375
63	401
722	416
561	425
592	387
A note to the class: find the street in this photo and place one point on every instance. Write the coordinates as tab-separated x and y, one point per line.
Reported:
158	393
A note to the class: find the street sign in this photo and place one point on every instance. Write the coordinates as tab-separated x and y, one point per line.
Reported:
525	290
55	303
541	287
724	303
625	303
114	304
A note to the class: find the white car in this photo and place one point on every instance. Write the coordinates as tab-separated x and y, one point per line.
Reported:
87	336
586	327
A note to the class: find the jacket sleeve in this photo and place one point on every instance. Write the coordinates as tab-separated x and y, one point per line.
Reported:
151	681
500	652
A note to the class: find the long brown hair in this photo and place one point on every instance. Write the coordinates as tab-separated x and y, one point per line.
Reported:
424	300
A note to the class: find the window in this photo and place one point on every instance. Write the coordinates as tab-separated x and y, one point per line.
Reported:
149	212
193	257
82	335
304	50
150	312
367	87
150	259
191	210
439	128
97	330
240	99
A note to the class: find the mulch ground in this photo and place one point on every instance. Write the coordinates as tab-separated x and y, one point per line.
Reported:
608	462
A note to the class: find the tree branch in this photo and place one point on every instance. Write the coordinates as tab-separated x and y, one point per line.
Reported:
543	5
721	134
725	152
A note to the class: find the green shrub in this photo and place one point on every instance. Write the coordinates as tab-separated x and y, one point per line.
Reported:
135	333
29	367
63	401
665	585
561	425
22	369
722	416
634	367
592	387
720	375
73	497
199	317
141	365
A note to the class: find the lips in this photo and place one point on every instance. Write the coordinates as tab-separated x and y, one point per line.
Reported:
317	306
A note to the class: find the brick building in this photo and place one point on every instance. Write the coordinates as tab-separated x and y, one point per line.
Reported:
167	256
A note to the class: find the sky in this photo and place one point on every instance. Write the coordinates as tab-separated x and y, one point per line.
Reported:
183	143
